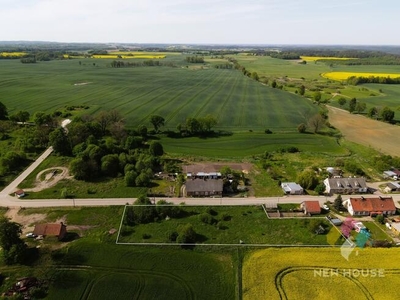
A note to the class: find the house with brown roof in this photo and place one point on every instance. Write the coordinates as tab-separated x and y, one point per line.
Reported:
370	206
345	185
203	187
310	207
57	230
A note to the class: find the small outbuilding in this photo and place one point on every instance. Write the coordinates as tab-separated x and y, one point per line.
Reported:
20	193
292	188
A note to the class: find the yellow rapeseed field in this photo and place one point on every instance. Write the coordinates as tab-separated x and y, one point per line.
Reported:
13	53
346	75
312	273
315	58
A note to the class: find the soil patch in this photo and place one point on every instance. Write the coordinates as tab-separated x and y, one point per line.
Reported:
49	178
381	136
216	167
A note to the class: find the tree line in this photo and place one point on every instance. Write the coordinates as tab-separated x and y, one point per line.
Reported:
145	63
356	80
195	59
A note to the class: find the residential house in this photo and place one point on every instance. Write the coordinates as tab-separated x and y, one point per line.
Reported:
310	207
204	188
58	230
291	188
370	206
392	187
345	185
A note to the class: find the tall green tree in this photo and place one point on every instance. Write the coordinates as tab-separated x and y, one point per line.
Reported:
3	112
14	249
352	104
302	90
342	101
156	148
387	114
60	142
157	121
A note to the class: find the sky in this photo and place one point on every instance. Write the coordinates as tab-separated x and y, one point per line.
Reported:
322	22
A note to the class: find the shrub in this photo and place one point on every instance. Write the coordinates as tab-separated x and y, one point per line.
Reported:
225	217
267	131
206	218
172	235
210	211
146	236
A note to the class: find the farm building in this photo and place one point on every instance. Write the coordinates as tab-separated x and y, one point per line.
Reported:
345	185
392	187
204	188
370	206
20	193
291	188
57	230
334	172
389	174
310	207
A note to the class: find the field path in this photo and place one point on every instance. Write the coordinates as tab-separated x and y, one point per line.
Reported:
381	136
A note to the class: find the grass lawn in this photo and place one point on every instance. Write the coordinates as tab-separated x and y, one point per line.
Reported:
103	188
249	224
376	232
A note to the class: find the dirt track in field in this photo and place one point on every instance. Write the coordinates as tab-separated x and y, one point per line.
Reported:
362	130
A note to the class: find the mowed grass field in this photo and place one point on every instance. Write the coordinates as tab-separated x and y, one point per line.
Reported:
174	93
290	274
236	223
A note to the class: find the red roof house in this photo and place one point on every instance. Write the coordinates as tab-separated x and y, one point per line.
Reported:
370	206
57	230
311	207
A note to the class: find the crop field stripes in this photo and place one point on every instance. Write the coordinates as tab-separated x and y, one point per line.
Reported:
207	101
281	274
137	273
177	110
175	96
224	103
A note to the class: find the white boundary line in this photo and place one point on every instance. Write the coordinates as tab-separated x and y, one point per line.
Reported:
220	245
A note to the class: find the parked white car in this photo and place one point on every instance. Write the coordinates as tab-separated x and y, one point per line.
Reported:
326	207
30	235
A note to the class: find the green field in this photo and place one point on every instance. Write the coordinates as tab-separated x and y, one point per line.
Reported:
242	145
94	267
103	271
232	225
174	93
